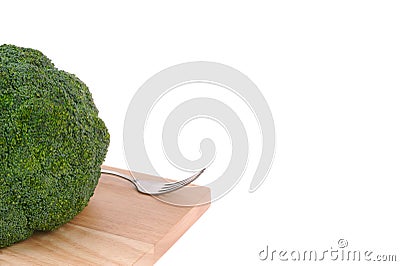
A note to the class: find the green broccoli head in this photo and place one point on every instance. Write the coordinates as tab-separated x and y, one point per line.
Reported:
52	144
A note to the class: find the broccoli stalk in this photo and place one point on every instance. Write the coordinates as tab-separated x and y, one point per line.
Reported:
52	144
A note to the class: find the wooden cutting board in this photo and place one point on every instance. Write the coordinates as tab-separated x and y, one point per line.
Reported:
119	227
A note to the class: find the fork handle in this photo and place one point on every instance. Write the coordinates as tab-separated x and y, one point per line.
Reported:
124	176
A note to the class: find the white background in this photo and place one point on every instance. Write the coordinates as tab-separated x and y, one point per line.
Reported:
329	71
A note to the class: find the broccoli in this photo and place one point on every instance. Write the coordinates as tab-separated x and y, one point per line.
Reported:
52	144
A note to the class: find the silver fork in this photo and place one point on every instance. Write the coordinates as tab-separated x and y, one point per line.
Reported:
152	187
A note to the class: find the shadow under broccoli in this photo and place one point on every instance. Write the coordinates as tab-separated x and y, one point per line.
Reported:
52	144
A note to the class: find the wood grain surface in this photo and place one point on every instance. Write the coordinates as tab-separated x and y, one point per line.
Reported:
119	227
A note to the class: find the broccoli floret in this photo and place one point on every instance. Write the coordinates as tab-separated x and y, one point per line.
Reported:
52	144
